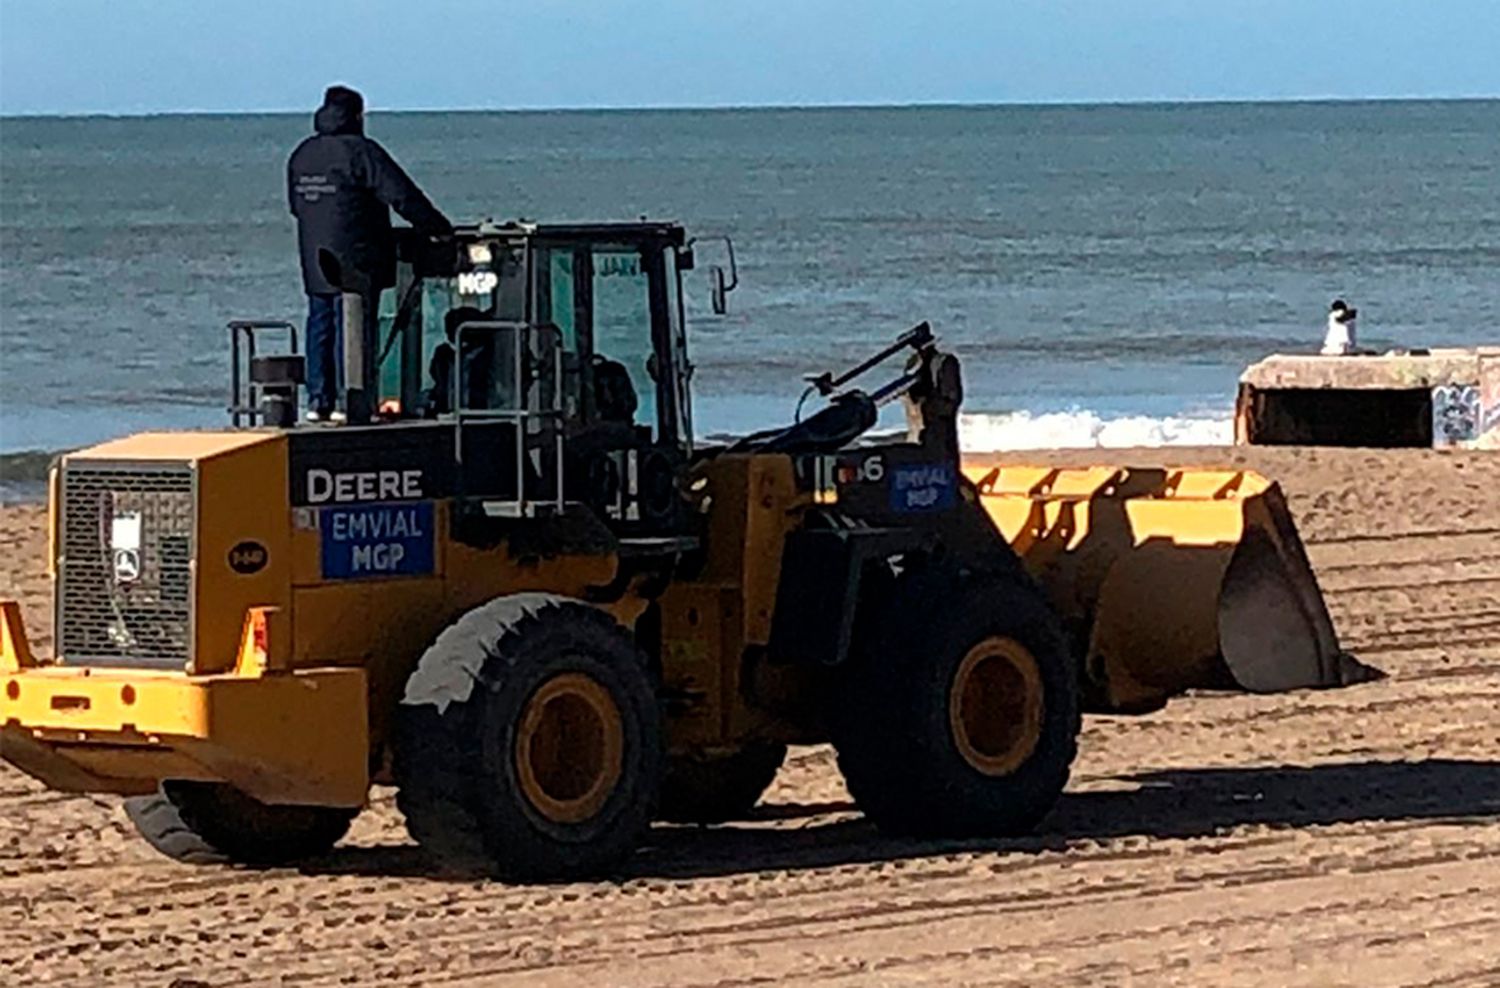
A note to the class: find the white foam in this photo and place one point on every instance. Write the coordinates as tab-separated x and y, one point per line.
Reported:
1084	429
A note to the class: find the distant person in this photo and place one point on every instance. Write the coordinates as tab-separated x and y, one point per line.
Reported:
341	187
1339	340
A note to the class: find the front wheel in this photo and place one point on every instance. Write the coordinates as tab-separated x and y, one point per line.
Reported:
960	718
529	742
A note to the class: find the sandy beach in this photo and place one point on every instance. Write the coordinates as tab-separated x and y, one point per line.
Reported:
1347	837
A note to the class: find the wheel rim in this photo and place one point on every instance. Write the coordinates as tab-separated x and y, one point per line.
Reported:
995	706
569	748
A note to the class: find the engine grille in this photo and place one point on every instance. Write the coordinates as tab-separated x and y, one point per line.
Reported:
125	563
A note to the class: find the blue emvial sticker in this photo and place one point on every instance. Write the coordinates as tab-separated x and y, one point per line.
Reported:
922	487
373	540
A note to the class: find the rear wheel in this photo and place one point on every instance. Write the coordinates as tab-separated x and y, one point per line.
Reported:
529	741
211	822
713	789
960	717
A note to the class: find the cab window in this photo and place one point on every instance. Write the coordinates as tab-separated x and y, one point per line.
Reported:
559	299
622	330
492	292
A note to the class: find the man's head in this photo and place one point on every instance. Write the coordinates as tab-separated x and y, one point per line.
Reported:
343	96
456	317
342	112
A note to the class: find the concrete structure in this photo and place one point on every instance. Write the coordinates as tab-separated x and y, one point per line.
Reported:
1438	398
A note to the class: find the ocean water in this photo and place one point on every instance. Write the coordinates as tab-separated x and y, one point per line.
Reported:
1105	272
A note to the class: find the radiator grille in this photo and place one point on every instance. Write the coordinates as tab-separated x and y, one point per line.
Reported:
125	557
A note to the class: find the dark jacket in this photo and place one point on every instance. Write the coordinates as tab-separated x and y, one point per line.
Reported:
341	187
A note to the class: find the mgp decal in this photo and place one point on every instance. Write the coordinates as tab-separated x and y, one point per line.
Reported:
922	487
365	541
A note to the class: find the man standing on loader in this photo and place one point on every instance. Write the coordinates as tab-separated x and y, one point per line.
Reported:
341	186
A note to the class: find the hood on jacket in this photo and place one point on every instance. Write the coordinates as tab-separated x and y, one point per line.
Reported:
340	113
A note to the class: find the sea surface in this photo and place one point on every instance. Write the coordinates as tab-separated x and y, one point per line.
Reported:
1105	272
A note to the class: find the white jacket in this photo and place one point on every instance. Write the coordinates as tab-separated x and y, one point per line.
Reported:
1339	339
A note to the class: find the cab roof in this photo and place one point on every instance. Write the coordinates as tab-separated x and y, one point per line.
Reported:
643	230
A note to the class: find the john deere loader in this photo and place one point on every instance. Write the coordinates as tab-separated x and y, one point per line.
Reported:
515	587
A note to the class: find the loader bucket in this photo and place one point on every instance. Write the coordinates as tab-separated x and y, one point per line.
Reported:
1169	579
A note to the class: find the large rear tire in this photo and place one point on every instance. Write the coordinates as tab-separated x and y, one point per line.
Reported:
716	789
960	716
213	823
528	743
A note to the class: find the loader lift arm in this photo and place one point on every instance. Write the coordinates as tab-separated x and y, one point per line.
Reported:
853	412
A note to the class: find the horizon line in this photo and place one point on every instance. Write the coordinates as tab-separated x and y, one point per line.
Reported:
750	107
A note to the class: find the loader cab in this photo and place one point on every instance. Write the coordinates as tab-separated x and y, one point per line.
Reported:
609	295
572	334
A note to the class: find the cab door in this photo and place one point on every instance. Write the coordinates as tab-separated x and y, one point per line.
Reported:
613	305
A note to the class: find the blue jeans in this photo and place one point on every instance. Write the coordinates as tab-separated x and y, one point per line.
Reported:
325	347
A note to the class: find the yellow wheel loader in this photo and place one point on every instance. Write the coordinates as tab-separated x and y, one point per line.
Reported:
518	589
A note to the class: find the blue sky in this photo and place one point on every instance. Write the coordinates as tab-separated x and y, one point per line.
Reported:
149	56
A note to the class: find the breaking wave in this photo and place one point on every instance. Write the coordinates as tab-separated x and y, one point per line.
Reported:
23	475
1084	429
27	465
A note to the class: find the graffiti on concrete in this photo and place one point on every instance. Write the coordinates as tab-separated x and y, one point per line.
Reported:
1455	414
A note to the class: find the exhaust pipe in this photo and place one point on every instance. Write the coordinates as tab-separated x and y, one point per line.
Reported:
359	376
357	405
